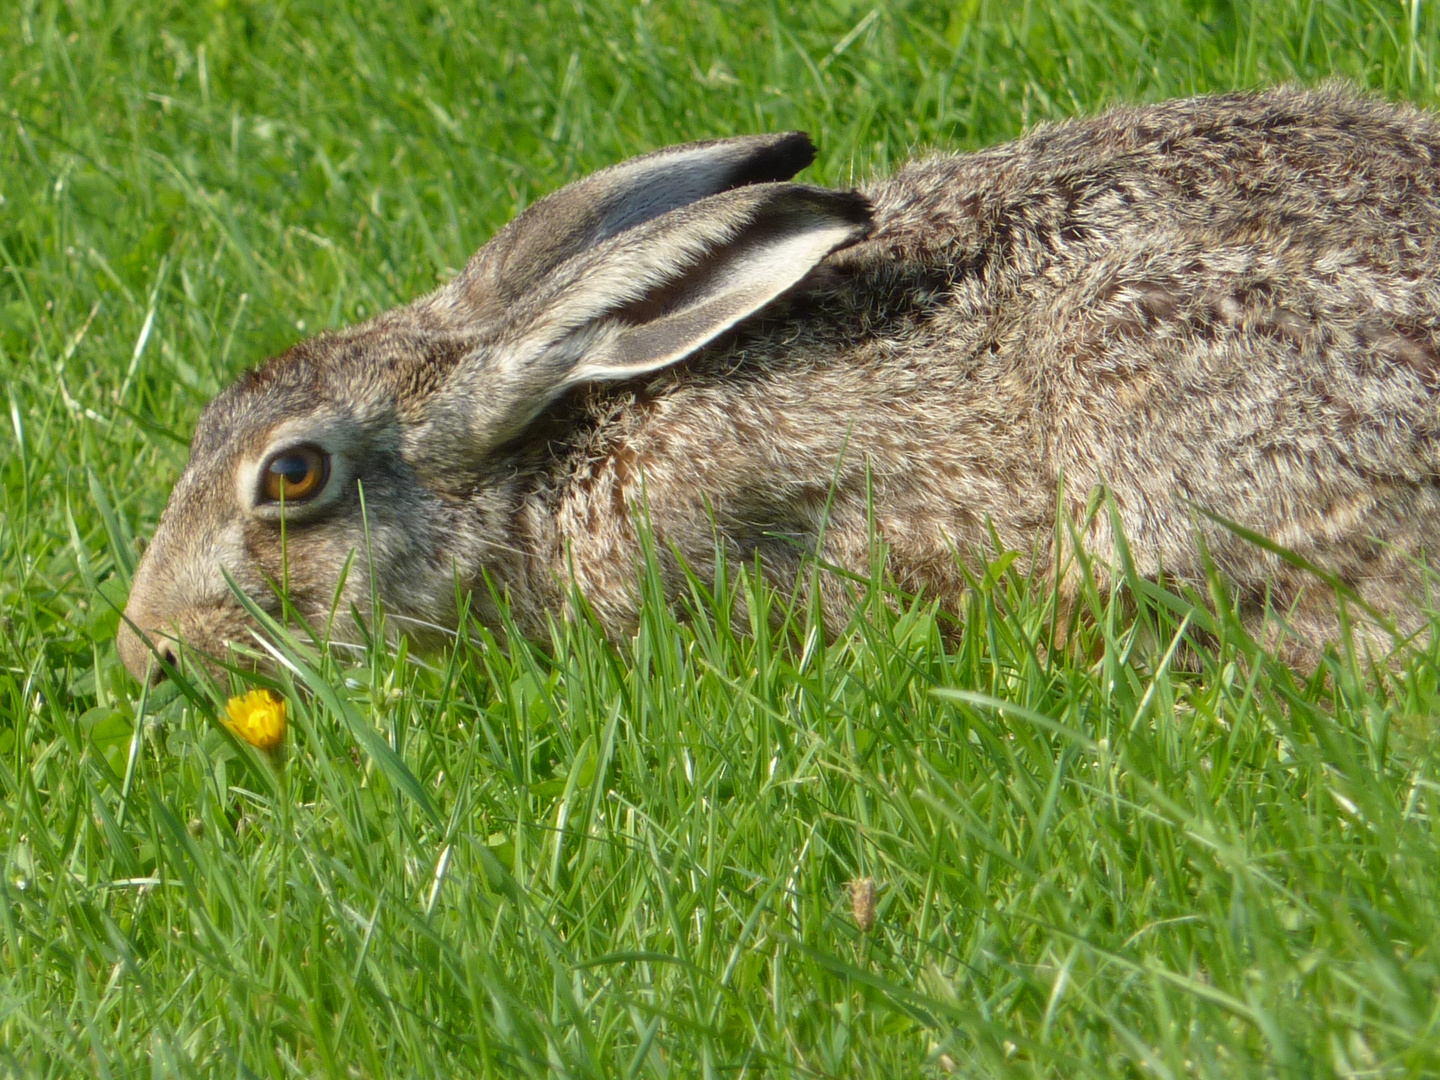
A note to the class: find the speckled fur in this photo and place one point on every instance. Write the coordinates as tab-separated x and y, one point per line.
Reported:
1231	302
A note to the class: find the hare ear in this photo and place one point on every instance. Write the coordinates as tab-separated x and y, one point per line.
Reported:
642	300
590	211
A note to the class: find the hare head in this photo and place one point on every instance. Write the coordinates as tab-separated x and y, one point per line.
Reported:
375	463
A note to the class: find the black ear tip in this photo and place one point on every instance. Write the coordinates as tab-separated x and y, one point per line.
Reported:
855	207
782	156
852	207
800	145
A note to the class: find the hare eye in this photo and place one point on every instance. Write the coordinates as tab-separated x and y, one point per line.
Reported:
295	475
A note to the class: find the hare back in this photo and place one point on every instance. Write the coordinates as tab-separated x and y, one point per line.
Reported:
1226	303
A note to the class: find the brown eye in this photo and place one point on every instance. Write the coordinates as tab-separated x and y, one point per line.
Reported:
295	475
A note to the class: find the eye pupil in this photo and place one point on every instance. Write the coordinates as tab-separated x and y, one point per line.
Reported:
293	469
295	474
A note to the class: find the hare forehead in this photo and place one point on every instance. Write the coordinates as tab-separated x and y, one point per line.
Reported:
369	376
240	419
243	426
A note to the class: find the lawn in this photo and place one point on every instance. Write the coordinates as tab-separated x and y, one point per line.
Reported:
559	858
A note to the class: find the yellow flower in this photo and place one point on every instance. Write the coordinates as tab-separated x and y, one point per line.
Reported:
258	718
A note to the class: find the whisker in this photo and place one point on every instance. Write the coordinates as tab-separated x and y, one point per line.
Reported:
498	546
358	646
397	617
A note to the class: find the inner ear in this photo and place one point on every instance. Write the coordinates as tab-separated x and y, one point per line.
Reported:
694	302
681	291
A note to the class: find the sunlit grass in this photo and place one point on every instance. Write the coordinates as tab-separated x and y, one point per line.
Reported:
1126	842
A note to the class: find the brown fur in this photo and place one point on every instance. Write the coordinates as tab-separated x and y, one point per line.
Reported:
1231	302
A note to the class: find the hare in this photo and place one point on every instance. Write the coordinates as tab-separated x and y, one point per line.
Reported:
1226	304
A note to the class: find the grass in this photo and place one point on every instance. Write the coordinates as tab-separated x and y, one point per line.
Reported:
556	859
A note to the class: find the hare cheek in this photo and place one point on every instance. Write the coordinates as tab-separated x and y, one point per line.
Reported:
309	557
218	561
189	567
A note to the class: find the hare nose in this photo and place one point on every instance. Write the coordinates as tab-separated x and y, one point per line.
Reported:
166	652
142	648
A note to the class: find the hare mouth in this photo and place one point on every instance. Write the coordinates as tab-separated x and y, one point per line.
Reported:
217	637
